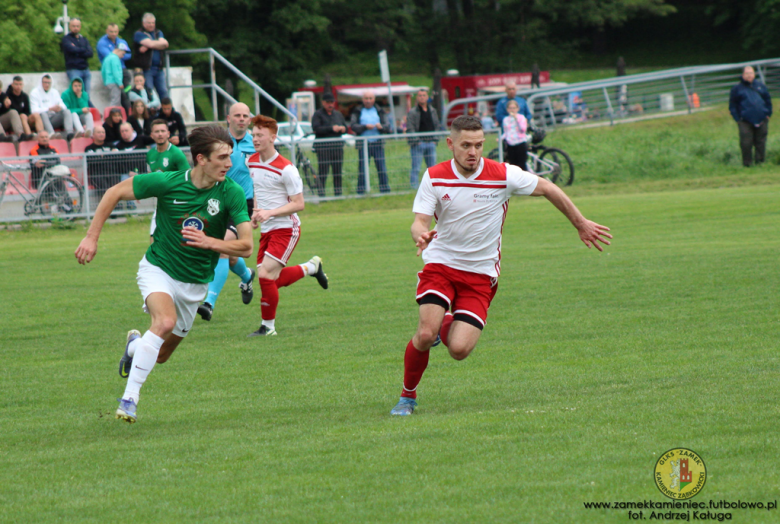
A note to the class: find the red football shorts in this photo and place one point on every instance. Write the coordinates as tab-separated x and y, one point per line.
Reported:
466	293
278	244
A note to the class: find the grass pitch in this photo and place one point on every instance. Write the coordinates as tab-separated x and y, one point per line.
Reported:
591	366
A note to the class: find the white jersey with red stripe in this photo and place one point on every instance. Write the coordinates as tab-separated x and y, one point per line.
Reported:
470	213
275	182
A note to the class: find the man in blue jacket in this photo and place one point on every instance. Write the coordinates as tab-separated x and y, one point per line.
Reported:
751	107
511	94
77	51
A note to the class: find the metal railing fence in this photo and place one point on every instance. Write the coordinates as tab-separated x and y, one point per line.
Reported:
673	91
368	168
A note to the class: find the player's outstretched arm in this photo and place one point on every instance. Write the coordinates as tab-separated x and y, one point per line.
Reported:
421	231
88	247
242	247
293	206
590	232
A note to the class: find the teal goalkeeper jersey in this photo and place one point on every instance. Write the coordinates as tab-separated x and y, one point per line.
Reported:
180	204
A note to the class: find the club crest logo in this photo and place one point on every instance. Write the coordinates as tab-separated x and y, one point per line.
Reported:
165	162
680	474
213	206
193	222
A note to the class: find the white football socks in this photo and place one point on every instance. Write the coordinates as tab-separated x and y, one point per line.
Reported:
144	360
133	346
269	323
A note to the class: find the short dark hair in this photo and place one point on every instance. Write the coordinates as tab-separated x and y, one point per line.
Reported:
46	76
266	122
77	79
466	123
166	102
204	140
158	122
139	74
18	79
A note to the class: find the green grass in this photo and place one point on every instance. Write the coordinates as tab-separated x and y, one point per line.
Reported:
591	366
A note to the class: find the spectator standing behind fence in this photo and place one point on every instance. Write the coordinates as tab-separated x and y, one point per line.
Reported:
751	107
47	102
515	135
422	119
149	47
176	127
369	121
77	51
141	92
329	123
10	122
37	166
108	43
511	94
77	102
99	166
112	74
21	102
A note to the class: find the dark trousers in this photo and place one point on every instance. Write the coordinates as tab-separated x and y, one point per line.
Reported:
751	136
329	157
376	149
517	155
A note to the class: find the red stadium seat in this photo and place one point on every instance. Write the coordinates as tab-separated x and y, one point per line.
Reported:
107	110
77	145
7	150
96	116
26	146
60	144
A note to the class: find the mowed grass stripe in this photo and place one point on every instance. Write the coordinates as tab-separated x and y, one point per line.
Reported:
592	364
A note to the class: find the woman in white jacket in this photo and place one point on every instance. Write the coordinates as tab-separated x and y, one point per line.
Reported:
47	102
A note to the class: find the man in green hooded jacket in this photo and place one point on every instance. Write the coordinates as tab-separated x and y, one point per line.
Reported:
77	101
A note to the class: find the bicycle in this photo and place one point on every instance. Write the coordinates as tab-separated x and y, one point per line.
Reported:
58	192
547	162
306	170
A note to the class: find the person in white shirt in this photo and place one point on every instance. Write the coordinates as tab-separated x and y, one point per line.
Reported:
278	197
47	102
469	197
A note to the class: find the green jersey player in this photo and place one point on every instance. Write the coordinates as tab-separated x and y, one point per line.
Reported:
164	157
194	207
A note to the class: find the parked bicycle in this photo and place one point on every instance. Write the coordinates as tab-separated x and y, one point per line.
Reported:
547	162
58	192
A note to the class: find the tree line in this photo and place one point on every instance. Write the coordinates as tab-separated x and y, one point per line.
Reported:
280	42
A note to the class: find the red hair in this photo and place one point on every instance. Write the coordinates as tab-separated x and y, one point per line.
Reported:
266	122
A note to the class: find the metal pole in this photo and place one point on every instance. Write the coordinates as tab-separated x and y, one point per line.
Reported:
687	98
65	19
552	112
85	182
214	107
168	71
500	145
609	106
366	177
257	102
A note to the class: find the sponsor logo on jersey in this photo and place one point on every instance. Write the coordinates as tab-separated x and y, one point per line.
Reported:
195	222
213	206
446	198
680	473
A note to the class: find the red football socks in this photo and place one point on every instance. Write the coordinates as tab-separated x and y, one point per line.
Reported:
290	275
415	363
444	331
270	298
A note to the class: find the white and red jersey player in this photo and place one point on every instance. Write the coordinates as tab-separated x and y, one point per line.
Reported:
469	197
470	213
278	198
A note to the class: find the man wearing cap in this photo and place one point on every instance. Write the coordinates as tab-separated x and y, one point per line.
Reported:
329	123
112	73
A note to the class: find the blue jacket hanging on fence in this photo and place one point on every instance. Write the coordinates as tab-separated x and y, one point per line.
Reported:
750	102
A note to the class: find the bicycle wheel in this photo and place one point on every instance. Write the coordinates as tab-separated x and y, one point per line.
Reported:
62	195
493	155
564	174
307	172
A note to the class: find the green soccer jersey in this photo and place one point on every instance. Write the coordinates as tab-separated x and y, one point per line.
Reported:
172	159
180	204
